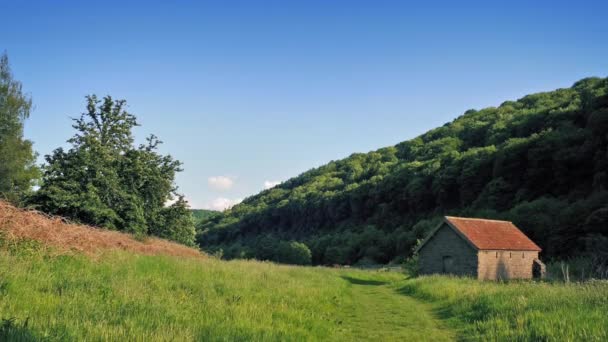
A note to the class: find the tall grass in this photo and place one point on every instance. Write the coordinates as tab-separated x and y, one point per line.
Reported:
517	311
125	296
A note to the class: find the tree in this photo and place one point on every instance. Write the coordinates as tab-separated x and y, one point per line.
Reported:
17	159
294	252
104	180
177	223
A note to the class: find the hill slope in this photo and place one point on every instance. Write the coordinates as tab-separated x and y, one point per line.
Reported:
540	161
18	224
202	214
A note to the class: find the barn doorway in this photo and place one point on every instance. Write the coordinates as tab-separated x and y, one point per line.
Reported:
448	264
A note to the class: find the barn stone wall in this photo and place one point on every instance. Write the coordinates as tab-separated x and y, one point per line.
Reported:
497	265
447	243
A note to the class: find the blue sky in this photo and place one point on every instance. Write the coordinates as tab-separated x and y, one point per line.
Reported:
255	92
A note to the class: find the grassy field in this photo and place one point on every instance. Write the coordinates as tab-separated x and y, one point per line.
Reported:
163	298
517	311
126	296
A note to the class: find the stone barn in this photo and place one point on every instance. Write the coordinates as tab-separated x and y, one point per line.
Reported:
485	249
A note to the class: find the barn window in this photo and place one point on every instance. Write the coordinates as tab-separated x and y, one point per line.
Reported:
510	255
496	255
523	255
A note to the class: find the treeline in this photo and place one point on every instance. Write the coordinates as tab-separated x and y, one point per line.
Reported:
202	214
540	161
104	179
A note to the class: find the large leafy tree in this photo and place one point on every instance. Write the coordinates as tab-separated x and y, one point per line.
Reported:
105	180
17	159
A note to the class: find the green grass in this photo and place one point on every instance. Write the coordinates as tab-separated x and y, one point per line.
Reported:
163	298
376	312
517	311
123	296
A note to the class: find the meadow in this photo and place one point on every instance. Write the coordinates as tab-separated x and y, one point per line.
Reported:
123	296
128	296
516	310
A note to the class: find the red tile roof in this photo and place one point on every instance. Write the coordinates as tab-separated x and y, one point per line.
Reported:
492	234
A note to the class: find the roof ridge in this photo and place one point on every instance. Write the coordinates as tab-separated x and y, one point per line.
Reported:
476	219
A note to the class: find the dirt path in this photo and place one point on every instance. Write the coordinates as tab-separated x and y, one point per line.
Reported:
379	313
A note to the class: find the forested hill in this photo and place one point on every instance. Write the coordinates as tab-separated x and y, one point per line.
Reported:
202	214
540	161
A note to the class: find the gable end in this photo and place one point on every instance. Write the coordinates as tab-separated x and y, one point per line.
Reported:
447	223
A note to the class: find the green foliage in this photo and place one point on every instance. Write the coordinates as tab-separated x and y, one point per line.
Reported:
268	247
295	253
411	265
17	159
200	215
540	161
176	223
104	180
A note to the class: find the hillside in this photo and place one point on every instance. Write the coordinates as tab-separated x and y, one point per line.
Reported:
61	236
539	161
202	214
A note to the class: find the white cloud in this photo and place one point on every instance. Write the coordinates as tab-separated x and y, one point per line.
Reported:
193	203
271	184
222	203
221	183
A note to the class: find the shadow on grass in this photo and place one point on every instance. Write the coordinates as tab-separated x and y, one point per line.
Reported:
441	312
358	281
479	310
11	330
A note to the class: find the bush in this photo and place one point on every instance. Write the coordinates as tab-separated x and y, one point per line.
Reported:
295	253
411	266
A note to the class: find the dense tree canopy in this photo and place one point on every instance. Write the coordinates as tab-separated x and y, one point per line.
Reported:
540	161
104	180
17	159
203	214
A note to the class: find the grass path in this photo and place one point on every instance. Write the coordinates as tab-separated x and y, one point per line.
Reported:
379	313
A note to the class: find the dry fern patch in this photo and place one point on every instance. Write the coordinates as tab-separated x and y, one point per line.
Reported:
63	236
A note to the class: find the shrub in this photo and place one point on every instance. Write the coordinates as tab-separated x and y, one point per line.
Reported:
295	253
